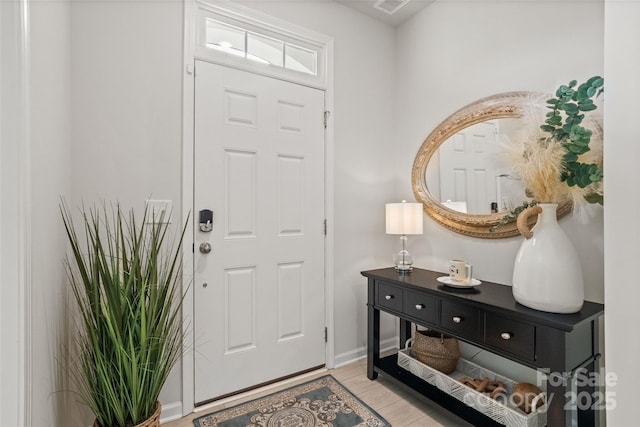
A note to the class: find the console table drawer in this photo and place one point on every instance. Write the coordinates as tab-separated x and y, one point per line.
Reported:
511	336
389	296
460	319
421	306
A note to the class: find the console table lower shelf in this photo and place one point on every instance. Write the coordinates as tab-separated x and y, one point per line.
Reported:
388	367
502	408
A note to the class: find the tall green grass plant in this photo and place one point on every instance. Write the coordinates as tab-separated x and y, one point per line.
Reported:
126	278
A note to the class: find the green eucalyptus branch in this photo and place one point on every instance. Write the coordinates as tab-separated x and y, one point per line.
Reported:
566	128
512	215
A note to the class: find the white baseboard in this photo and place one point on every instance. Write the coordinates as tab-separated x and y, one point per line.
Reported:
361	352
171	412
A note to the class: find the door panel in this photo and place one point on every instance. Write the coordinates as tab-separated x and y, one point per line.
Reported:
468	177
259	293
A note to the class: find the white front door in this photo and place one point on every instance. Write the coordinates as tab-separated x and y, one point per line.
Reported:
259	292
467	168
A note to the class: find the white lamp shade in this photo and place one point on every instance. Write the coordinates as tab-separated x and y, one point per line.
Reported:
404	218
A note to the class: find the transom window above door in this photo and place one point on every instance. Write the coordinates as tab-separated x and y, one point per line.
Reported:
260	48
246	42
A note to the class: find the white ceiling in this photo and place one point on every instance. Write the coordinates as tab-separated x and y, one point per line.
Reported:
401	15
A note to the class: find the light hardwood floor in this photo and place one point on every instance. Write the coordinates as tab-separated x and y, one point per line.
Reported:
397	404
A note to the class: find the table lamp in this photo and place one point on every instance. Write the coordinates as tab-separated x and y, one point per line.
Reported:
404	218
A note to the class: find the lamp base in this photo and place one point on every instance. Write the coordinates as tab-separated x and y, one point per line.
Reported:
403	269
403	261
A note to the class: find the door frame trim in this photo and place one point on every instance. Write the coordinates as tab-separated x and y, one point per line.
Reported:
15	254
188	143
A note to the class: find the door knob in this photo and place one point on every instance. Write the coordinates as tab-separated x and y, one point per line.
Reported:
205	247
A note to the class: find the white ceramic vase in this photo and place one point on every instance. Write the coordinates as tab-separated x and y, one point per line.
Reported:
547	274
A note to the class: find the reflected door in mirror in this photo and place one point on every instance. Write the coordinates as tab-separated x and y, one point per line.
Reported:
468	168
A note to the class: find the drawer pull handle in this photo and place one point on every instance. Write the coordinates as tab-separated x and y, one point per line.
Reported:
419	306
505	335
388	297
457	319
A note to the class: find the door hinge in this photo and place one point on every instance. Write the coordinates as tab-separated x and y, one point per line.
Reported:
326	334
326	118
324	227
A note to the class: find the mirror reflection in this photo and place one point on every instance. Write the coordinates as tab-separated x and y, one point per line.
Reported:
469	175
459	172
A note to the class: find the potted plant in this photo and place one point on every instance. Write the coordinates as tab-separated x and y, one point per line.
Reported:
126	278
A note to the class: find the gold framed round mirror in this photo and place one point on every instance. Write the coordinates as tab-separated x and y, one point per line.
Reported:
474	130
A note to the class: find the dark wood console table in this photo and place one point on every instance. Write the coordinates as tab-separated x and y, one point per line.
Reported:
561	344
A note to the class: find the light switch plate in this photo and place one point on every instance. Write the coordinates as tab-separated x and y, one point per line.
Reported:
158	208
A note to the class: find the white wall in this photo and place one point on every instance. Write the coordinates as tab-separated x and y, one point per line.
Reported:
126	98
453	53
622	66
50	178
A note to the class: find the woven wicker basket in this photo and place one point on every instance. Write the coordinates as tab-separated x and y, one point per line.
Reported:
152	421
437	350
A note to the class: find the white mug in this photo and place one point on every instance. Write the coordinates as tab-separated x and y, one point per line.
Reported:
460	271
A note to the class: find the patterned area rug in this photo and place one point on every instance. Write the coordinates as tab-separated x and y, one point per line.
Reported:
323	402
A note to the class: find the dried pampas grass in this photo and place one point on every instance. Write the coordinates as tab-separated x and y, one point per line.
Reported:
537	159
539	165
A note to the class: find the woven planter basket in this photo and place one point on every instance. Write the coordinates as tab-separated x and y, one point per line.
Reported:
152	421
437	350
